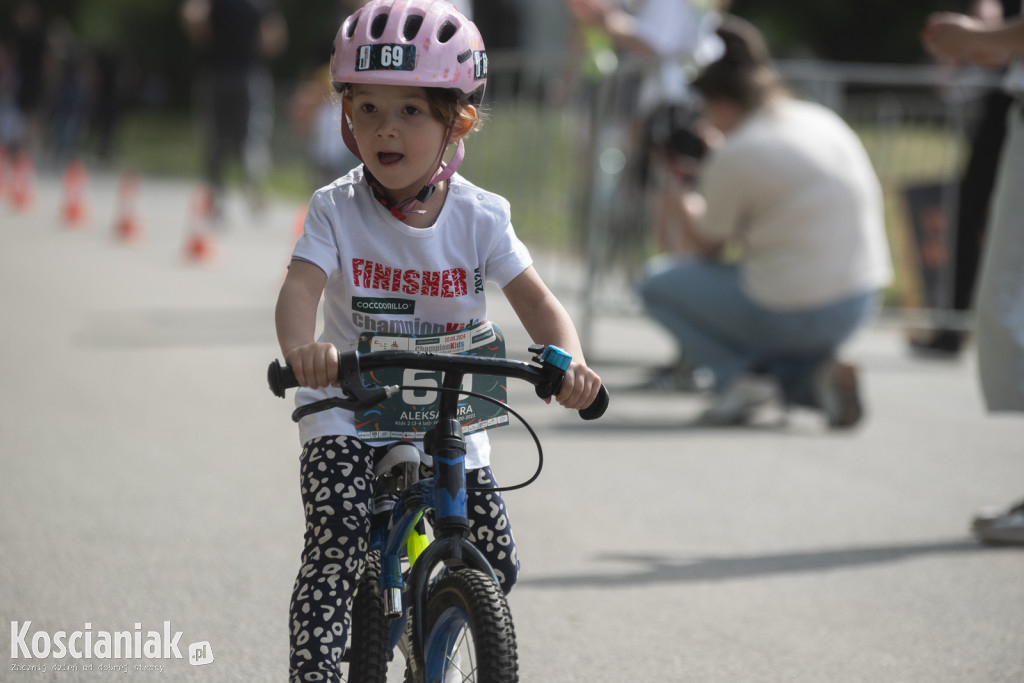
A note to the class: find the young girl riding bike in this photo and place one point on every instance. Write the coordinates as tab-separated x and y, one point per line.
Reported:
401	242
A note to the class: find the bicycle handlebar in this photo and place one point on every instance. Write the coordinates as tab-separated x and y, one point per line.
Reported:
545	377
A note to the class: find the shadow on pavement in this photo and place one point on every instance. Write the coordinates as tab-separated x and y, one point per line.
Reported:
655	569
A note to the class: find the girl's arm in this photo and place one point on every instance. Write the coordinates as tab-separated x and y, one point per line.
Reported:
315	364
547	322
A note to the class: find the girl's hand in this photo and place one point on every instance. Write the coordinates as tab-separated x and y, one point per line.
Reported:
579	388
315	365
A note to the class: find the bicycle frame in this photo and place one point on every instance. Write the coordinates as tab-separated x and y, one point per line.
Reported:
445	493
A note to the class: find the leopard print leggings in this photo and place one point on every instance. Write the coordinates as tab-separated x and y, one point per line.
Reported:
337	494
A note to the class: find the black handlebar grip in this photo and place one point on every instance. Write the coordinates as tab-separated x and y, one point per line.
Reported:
280	377
597	408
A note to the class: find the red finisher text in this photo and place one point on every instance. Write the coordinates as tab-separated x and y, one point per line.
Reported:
448	283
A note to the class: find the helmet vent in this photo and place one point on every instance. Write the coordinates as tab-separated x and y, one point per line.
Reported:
380	22
350	29
445	33
412	26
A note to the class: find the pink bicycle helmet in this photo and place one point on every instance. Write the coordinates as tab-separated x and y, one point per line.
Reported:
426	43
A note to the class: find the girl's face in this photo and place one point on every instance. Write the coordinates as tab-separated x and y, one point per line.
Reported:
398	137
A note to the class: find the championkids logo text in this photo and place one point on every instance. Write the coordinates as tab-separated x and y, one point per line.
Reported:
89	644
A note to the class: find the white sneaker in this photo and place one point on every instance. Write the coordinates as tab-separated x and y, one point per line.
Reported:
738	401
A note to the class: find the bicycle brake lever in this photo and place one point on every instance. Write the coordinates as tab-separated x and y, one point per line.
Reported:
368	397
554	361
351	377
356	396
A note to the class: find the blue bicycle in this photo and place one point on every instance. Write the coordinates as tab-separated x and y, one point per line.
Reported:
438	603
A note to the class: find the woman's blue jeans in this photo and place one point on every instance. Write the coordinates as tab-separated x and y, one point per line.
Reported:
719	327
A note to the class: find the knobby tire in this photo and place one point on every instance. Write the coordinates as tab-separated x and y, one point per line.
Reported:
472	596
368	652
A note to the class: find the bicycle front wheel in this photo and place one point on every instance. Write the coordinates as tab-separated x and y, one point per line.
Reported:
367	655
469	632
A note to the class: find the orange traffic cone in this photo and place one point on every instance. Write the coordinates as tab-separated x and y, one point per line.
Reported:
74	210
128	228
21	181
199	247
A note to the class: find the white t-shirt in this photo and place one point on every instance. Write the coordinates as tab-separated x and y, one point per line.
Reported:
385	276
794	184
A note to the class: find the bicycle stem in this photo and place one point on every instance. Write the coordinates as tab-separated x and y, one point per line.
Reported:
447	446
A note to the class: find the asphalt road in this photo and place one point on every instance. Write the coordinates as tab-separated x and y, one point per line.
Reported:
147	476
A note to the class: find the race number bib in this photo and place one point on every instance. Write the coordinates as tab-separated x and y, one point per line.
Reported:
411	412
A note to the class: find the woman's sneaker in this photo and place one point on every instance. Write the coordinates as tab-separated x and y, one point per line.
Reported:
838	392
737	403
680	377
999	527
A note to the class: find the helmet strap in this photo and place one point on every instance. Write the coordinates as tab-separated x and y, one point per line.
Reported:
399	210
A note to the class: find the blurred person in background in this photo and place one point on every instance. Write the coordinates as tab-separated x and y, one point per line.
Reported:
657	44
676	141
790	186
958	38
671	35
68	93
974	194
28	55
236	93
107	81
666	30
10	115
315	111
